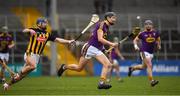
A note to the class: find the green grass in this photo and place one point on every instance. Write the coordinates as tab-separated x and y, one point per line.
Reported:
88	86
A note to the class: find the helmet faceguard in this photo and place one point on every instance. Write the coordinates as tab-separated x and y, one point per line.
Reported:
109	14
42	23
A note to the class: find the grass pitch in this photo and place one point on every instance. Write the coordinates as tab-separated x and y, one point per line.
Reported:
88	86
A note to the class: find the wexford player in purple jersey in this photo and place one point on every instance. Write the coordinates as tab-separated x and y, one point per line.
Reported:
94	47
114	56
149	39
6	43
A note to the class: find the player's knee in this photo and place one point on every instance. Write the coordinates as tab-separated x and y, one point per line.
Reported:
109	65
79	69
3	67
144	66
33	67
149	66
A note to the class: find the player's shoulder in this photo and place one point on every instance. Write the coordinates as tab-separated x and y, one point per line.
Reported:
33	28
101	24
141	32
156	32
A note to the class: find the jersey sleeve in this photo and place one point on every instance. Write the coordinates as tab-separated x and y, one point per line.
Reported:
52	37
139	35
33	28
101	25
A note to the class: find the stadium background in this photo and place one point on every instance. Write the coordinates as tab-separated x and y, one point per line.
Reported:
67	19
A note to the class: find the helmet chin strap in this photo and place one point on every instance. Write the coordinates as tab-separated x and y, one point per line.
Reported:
110	22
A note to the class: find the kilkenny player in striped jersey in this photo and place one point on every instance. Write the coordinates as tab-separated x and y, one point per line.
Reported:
38	39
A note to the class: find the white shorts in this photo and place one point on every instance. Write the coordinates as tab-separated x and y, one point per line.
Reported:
4	56
89	51
147	55
115	62
33	56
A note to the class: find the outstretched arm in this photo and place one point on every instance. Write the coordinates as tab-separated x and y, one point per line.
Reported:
64	41
31	31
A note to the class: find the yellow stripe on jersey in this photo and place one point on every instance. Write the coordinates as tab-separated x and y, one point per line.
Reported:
38	41
34	43
43	44
37	47
30	44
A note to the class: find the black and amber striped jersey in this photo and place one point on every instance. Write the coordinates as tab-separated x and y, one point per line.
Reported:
5	40
38	41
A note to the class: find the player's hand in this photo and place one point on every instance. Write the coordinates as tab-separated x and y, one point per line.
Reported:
159	47
114	44
136	47
10	46
72	42
32	32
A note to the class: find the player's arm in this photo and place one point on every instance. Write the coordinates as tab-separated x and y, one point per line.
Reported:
60	40
11	45
158	41
100	34
135	42
31	31
119	53
64	41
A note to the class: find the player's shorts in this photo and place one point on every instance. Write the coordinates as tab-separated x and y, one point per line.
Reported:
146	55
89	51
4	56
115	62
33	56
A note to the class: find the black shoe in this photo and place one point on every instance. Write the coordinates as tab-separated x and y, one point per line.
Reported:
154	82
61	70
104	86
130	71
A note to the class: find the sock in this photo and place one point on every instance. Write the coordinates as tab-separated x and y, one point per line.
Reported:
150	78
102	80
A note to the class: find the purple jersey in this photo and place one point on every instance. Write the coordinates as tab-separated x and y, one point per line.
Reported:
93	41
5	40
148	39
114	54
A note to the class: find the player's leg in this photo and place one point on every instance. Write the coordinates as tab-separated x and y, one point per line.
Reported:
75	67
86	55
82	62
106	68
117	71
109	75
30	65
3	60
115	67
149	70
139	66
2	75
